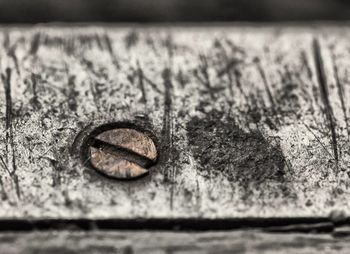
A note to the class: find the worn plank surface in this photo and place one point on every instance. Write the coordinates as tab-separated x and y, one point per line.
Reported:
250	121
129	242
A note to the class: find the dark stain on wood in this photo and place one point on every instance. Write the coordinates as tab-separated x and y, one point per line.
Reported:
221	147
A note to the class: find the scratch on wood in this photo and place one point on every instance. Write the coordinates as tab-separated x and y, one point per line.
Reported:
229	65
166	129
169	44
34	100
107	42
72	93
227	69
3	192
306	64
151	83
318	140
3	164
35	43
180	77
321	77
12	54
233	64
6	41
98	41
131	39
340	87
7	87
6	80
266	84
203	68
10	50
141	84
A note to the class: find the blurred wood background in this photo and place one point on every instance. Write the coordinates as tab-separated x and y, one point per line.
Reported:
23	11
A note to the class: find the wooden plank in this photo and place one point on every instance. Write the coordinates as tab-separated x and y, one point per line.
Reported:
248	120
170	242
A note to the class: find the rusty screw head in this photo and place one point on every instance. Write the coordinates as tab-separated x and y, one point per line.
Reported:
122	153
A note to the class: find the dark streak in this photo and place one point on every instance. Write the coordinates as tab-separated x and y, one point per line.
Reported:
7	87
11	53
96	94
181	79
3	192
266	84
34	100
238	76
227	69
4	164
15	179
141	84
35	43
69	45
321	77
6	42
306	64
131	39
166	129
72	94
56	176
151	83
107	42
6	79
168	43
229	65
98	41
318	140
34	83
203	70
11	50
340	87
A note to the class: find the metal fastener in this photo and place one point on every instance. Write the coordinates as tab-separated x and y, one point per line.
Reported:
122	153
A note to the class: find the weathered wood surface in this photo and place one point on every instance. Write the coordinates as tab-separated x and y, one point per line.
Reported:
129	242
250	121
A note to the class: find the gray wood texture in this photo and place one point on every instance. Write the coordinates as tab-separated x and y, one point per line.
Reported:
129	242
250	121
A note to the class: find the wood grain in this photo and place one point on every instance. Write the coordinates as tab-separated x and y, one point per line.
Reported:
128	242
249	121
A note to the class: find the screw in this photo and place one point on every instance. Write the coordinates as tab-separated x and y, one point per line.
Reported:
122	153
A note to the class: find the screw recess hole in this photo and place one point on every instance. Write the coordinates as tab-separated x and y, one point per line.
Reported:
120	151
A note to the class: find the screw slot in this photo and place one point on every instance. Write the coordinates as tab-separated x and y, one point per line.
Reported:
120	150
